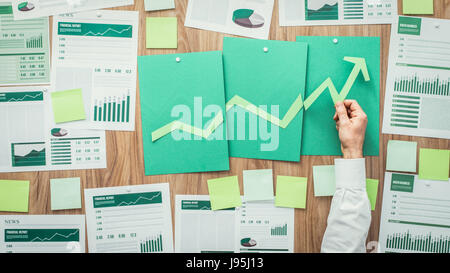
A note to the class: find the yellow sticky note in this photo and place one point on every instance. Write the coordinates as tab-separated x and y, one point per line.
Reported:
291	192
68	105
372	191
14	195
224	193
162	32
434	164
418	7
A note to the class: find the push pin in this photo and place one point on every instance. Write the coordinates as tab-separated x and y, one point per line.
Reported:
178	59
335	41
128	189
99	14
436	25
266	50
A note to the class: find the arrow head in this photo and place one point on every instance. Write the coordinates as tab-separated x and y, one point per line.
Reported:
361	64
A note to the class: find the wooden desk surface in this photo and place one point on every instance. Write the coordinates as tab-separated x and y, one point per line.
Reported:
125	152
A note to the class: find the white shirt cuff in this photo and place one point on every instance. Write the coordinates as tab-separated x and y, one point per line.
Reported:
350	173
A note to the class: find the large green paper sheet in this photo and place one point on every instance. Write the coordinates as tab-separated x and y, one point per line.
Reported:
434	164
161	32
326	60
166	83
291	192
224	193
68	105
65	193
401	156
418	6
14	195
264	73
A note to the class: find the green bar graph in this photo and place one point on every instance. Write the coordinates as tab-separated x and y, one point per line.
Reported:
112	109
152	245
429	86
422	243
279	230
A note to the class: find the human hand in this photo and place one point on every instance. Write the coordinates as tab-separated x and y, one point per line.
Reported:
351	123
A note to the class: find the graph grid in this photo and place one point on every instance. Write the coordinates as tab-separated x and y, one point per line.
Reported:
152	245
279	231
112	109
423	243
430	86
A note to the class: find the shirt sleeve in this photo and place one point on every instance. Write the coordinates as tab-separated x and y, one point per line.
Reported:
350	216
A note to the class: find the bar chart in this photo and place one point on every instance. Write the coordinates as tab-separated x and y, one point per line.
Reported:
34	42
152	244
422	243
417	85
112	109
279	230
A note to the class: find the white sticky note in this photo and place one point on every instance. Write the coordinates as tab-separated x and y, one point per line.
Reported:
258	185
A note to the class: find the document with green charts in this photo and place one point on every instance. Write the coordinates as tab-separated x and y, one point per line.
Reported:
32	141
351	66
265	88
183	113
417	99
199	229
129	219
414	216
42	234
24	49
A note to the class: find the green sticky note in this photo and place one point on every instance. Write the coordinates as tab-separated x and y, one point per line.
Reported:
434	164
187	88
14	195
258	185
270	76
326	60
418	6
159	4
401	156
372	191
291	192
68	105
324	180
162	32
224	193
65	193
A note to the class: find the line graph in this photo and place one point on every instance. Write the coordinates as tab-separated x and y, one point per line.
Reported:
21	96
95	30
90	33
359	67
123	203
128	199
54	235
42	235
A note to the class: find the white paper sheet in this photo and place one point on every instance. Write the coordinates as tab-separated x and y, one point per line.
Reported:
198	229
262	227
336	12
42	234
151	5
97	52
129	219
249	18
31	141
415	215
41	8
417	99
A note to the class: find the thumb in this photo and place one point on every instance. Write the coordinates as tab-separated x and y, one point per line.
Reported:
341	111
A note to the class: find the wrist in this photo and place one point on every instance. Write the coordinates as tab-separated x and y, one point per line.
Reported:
352	153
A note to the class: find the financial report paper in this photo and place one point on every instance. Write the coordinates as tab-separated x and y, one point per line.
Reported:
24	49
42	234
45	8
31	141
415	215
97	52
129	219
417	99
336	12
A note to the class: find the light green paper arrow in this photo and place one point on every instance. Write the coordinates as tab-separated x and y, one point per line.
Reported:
360	66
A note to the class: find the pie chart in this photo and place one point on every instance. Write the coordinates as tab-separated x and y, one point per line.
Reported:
25	6
248	242
58	132
248	18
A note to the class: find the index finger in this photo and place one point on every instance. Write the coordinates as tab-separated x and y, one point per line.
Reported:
354	107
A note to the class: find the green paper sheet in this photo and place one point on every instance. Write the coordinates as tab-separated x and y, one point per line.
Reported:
258	185
65	193
372	191
14	195
326	60
224	193
401	156
162	32
434	164
68	105
324	180
151	5
418	7
291	192
272	77
192	85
